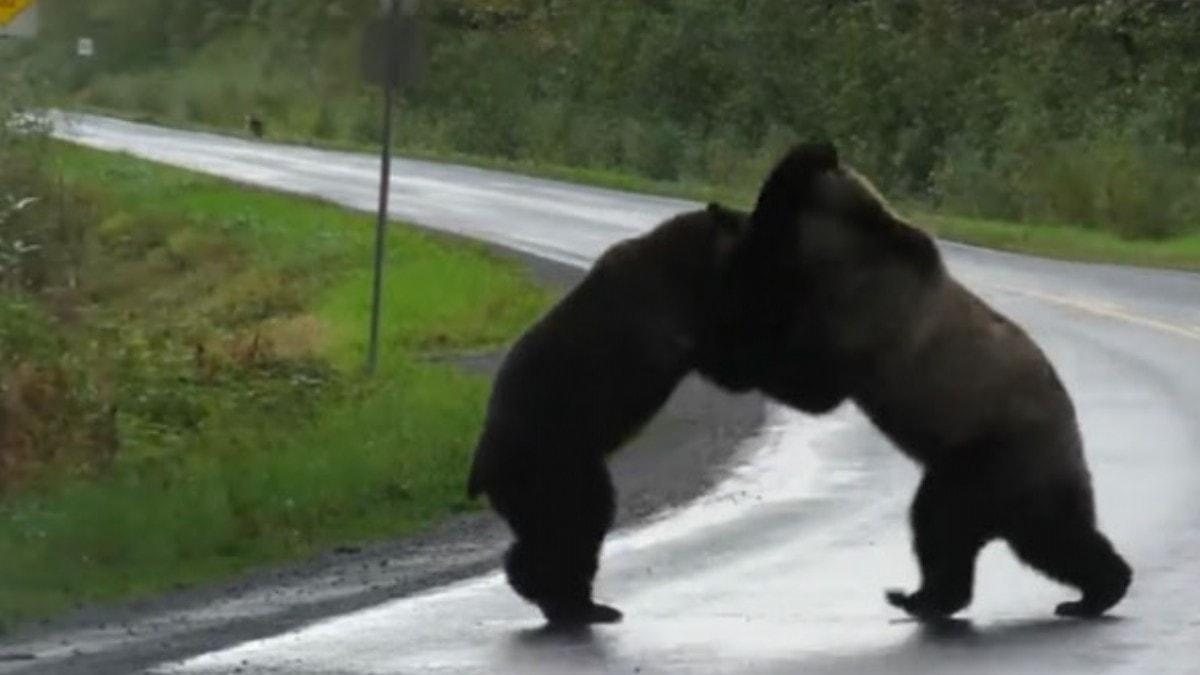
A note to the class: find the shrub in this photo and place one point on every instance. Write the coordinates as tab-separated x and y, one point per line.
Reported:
324	124
968	182
1137	190
655	150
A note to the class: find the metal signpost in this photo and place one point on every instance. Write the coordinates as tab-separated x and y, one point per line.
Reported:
392	58
18	18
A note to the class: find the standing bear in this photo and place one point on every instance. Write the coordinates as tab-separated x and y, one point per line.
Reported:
584	379
840	279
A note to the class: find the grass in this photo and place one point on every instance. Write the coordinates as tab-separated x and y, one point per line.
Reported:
248	433
1060	241
1066	242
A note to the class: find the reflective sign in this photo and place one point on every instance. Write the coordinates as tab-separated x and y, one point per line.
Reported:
10	9
393	52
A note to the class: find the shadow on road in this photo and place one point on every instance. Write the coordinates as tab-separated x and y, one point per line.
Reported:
554	650
550	637
959	646
954	646
962	632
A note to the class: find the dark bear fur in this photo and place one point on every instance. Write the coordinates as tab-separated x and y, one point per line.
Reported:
849	289
581	382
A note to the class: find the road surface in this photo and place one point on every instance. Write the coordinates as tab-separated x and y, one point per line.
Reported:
781	568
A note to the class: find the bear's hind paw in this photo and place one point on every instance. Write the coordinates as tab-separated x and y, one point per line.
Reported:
1081	609
581	615
921	606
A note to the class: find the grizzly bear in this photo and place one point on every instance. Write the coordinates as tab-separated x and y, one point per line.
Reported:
846	288
584	379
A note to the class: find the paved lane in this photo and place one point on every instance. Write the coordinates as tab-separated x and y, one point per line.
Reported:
781	568
522	213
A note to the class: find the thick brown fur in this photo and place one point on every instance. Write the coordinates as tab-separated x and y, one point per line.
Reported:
957	387
582	381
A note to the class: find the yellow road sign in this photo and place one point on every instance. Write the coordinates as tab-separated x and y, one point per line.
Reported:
11	9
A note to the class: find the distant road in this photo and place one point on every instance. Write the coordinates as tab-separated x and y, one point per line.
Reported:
781	568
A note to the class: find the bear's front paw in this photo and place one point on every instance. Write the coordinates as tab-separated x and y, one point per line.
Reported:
922	605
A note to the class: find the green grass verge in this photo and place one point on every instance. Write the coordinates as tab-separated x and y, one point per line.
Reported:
1065	242
274	467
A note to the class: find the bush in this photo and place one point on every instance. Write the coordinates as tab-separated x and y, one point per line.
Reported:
25	332
1137	190
656	149
367	125
968	182
324	125
1071	112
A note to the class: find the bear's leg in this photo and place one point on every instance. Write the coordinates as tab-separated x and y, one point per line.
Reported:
557	577
947	535
559	535
1071	550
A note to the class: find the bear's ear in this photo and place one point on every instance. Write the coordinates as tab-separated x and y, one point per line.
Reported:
793	183
806	160
816	156
726	219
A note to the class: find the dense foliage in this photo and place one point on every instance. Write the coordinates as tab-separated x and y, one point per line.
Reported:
1061	110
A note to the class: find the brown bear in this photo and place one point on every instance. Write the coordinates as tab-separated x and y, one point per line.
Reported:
584	379
842	285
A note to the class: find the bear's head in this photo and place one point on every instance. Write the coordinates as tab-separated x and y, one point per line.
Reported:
823	268
814	214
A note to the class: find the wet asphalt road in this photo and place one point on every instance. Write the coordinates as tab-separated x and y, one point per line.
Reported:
781	567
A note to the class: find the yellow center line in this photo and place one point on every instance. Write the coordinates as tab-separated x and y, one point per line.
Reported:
1108	310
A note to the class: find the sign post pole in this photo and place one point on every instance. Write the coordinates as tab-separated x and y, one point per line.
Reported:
393	58
385	184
